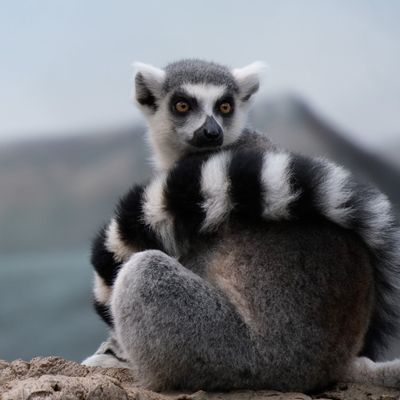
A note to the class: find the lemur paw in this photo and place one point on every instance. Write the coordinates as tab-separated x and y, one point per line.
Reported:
104	361
106	357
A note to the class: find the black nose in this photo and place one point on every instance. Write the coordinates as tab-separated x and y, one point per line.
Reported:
211	130
210	134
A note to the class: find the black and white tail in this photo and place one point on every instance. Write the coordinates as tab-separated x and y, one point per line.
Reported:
203	191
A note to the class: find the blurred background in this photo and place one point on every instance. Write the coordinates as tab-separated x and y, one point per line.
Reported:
71	142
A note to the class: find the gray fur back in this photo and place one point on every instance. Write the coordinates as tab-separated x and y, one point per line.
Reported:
305	290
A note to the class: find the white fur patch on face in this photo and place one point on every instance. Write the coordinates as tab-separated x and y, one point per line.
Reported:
102	292
156	215
115	245
205	94
277	191
334	193
166	147
215	189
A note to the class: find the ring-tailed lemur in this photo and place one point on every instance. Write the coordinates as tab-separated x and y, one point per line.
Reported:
242	265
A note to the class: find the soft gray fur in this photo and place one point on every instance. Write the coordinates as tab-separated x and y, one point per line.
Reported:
245	320
284	305
197	72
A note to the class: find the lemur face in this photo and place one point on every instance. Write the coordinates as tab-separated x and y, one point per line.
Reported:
193	105
202	115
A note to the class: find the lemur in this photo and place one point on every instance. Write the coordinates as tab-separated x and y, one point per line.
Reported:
241	265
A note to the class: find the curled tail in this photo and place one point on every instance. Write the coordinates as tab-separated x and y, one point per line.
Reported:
276	185
204	191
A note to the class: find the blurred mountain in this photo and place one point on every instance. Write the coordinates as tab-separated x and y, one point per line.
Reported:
56	193
391	150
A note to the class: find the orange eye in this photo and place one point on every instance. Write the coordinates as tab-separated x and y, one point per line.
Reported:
182	106
225	108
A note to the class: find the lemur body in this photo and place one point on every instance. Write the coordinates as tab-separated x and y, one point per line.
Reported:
241	265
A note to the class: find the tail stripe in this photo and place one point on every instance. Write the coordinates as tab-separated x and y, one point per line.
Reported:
215	185
334	194
278	193
156	215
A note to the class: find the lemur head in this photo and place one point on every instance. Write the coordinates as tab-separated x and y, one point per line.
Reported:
193	105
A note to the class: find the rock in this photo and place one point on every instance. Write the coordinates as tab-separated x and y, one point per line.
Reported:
59	379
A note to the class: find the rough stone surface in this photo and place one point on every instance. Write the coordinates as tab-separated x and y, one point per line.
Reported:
56	378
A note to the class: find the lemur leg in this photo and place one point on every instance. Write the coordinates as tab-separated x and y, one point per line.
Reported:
364	370
108	355
177	330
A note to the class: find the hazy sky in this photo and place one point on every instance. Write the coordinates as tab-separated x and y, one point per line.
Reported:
65	65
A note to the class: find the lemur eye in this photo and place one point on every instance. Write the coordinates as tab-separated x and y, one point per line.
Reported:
225	108
182	107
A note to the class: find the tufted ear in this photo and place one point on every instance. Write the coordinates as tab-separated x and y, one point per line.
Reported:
249	78
148	84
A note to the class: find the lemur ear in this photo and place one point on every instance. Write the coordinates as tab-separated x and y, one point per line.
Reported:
148	84
249	78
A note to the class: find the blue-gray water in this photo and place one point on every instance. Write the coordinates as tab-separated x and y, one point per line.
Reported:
46	306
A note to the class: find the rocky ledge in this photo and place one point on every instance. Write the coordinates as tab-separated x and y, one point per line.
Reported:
56	378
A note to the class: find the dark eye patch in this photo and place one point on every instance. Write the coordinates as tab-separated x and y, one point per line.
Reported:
182	96
226	98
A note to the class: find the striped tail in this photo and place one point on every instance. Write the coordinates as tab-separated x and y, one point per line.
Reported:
203	191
